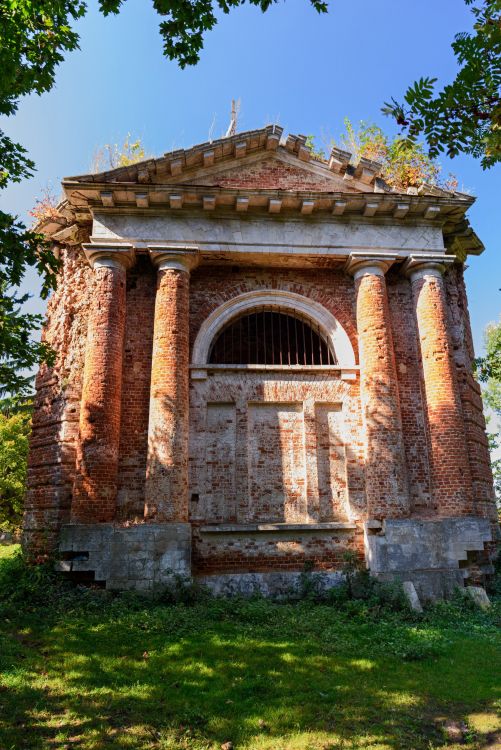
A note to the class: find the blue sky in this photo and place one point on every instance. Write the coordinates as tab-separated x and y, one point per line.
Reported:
291	65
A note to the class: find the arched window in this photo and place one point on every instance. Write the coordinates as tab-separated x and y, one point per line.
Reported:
270	336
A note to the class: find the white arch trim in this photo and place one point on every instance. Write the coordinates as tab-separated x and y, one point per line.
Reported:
303	306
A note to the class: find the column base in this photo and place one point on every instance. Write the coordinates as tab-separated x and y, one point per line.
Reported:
143	558
437	555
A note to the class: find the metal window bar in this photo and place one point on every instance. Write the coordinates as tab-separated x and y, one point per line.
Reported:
280	333
248	338
272	326
263	334
257	338
240	321
288	342
274	331
295	340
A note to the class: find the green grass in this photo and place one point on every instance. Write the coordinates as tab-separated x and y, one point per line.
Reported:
84	669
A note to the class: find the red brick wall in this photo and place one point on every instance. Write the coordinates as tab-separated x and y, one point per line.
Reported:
450	469
385	467
412	403
52	457
271	174
249	427
166	490
211	286
136	374
471	399
97	452
257	454
255	553
51	466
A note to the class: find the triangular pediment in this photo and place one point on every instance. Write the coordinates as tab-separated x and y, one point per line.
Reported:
265	171
255	160
259	171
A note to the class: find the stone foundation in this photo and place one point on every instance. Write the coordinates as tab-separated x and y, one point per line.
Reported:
142	558
436	555
274	585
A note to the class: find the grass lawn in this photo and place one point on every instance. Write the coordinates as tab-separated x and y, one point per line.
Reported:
84	669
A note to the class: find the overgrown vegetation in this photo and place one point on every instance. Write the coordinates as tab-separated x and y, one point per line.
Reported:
87	669
114	155
14	435
404	164
45	207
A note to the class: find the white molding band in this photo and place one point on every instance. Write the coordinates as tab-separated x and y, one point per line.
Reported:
421	266
296	303
109	256
174	257
371	269
368	264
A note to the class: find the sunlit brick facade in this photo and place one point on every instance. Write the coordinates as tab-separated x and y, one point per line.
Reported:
263	361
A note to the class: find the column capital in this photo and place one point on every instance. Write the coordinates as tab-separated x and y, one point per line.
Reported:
111	256
176	257
374	264
430	264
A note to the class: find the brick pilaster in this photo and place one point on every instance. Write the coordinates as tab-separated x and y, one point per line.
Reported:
166	488
385	469
450	470
95	486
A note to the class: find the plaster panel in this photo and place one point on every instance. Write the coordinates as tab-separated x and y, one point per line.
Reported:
220	460
331	462
276	462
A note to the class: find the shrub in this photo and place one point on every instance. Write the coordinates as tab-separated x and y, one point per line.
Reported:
14	436
183	590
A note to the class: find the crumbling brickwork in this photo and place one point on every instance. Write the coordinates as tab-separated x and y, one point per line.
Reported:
450	468
334	489
136	377
51	468
412	402
96	478
274	175
167	468
471	399
385	468
230	553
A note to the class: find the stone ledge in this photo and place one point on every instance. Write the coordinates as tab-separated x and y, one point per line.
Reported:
200	372
259	528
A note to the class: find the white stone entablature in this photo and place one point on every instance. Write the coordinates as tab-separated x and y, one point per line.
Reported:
267	240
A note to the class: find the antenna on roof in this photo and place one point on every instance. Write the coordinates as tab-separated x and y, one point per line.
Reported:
212	126
232	127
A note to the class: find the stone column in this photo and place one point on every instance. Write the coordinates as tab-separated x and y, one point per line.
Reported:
385	469
166	489
450	471
95	485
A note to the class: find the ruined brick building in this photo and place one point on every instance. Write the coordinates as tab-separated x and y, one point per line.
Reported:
263	361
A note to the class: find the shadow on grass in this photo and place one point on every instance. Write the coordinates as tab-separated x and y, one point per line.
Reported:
261	676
